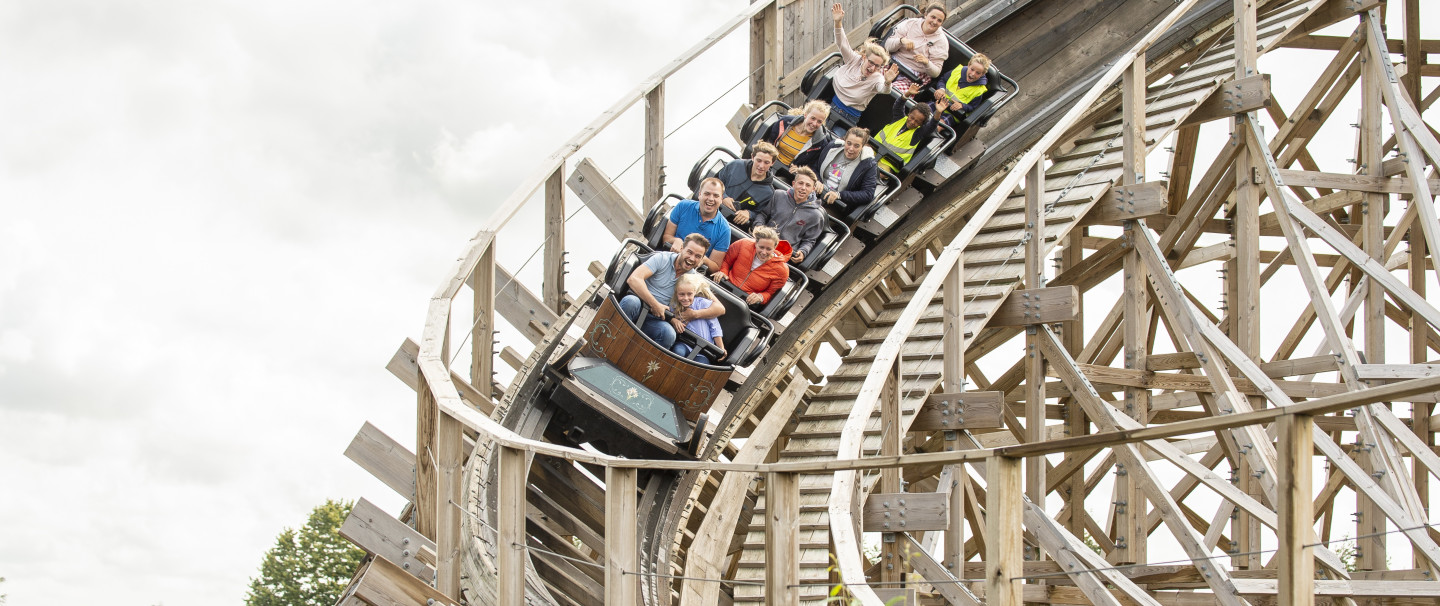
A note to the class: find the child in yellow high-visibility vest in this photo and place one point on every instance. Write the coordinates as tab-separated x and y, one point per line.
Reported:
911	132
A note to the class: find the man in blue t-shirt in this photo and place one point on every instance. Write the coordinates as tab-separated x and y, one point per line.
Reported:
652	285
701	217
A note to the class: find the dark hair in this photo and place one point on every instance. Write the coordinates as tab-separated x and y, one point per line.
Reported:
804	171
922	108
864	133
698	239
935	6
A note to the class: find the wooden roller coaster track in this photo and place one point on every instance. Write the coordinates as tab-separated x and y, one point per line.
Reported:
1049	481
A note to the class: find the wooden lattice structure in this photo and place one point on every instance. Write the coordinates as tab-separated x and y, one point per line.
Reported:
1157	457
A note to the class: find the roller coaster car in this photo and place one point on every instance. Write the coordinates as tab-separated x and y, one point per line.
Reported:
1000	88
886	186
836	232
625	395
760	121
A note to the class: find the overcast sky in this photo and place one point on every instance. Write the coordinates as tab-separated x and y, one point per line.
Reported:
221	218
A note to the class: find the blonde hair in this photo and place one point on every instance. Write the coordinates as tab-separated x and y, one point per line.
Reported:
983	59
813	106
701	286
765	232
872	48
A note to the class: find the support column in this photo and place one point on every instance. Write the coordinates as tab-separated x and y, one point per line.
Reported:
1243	272
953	292
553	282
654	187
1077	423
1296	557
892	553
1371	549
450	453
622	537
765	55
510	526
1003	532
1414	54
1034	362
782	538
1131	529
482	335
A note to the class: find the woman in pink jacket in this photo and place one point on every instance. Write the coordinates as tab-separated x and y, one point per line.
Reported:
920	45
861	75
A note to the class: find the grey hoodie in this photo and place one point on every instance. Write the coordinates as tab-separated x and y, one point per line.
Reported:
799	224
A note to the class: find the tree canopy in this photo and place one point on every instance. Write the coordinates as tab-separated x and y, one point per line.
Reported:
310	566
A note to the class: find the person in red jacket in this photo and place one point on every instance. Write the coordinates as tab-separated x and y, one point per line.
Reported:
756	266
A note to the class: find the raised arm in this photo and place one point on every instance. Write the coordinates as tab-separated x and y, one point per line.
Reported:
847	54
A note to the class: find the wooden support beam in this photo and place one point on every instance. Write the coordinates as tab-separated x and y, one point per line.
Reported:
1295	557
960	410
513	470
386	459
378	533
892	567
654	186
942	579
1038	306
1125	202
427	473
381	583
782	538
1357	182
622	537
1004	541
553	274
1034	278
765	57
482	341
1234	97
906	512
404	366
520	307
953	310
450	485
592	186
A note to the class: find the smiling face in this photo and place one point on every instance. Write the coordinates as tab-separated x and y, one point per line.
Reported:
685	294
764	247
760	165
802	187
710	195
914	119
873	64
853	145
933	20
690	255
813	121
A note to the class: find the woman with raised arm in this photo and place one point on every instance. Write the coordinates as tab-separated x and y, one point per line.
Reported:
920	46
861	75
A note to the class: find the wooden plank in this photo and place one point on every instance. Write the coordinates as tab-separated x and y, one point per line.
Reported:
1345	181
1038	306
450	454
618	214
405	367
520	307
960	410
1296	564
513	469
386	459
905	512
942	579
482	324
381	583
654	178
1231	98
1126	202
1003	537
782	538
553	275
378	533
622	537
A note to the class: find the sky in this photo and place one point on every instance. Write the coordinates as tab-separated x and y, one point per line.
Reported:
219	219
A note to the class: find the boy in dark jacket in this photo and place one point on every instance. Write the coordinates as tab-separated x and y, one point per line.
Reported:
748	184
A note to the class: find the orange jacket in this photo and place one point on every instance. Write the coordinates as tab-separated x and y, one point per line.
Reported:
766	279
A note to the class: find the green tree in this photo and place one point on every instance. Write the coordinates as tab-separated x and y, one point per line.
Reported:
310	566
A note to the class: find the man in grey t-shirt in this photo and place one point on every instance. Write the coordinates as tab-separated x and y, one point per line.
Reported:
652	285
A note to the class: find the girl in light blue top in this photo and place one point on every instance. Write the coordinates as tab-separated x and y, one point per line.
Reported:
693	293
